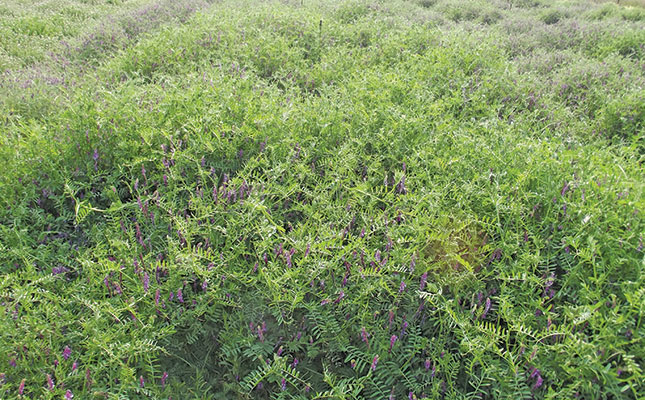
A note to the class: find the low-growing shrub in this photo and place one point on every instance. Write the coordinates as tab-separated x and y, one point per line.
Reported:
624	119
461	12
551	17
605	11
633	14
427	3
491	17
627	44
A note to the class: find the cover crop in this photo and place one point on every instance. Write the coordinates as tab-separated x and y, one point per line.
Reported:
322	200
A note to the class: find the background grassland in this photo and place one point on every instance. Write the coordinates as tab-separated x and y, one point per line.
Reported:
627	3
319	199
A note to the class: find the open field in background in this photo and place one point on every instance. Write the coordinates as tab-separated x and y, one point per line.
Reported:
361	199
54	31
627	3
48	47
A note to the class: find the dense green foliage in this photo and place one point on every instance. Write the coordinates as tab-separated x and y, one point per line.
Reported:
365	199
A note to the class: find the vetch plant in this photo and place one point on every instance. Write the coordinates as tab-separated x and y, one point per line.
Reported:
321	200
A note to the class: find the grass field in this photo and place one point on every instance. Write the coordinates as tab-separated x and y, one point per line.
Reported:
317	199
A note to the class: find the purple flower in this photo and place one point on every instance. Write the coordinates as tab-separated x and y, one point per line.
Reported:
50	382
535	372
146	282
283	384
340	297
59	270
74	366
141	381
364	336
68	395
163	379
427	364
139	235
424	279
374	362
392	341
400	187
157	293
295	362
21	388
486	308
180	296
402	287
88	378
66	352
389	244
496	255
411	396
538	382
12	362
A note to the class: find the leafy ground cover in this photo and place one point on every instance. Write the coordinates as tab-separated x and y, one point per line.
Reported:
316	199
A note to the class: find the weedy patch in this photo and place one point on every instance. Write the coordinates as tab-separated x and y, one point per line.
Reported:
452	247
551	17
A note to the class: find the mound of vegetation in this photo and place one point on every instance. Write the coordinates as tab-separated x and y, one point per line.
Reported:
365	199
